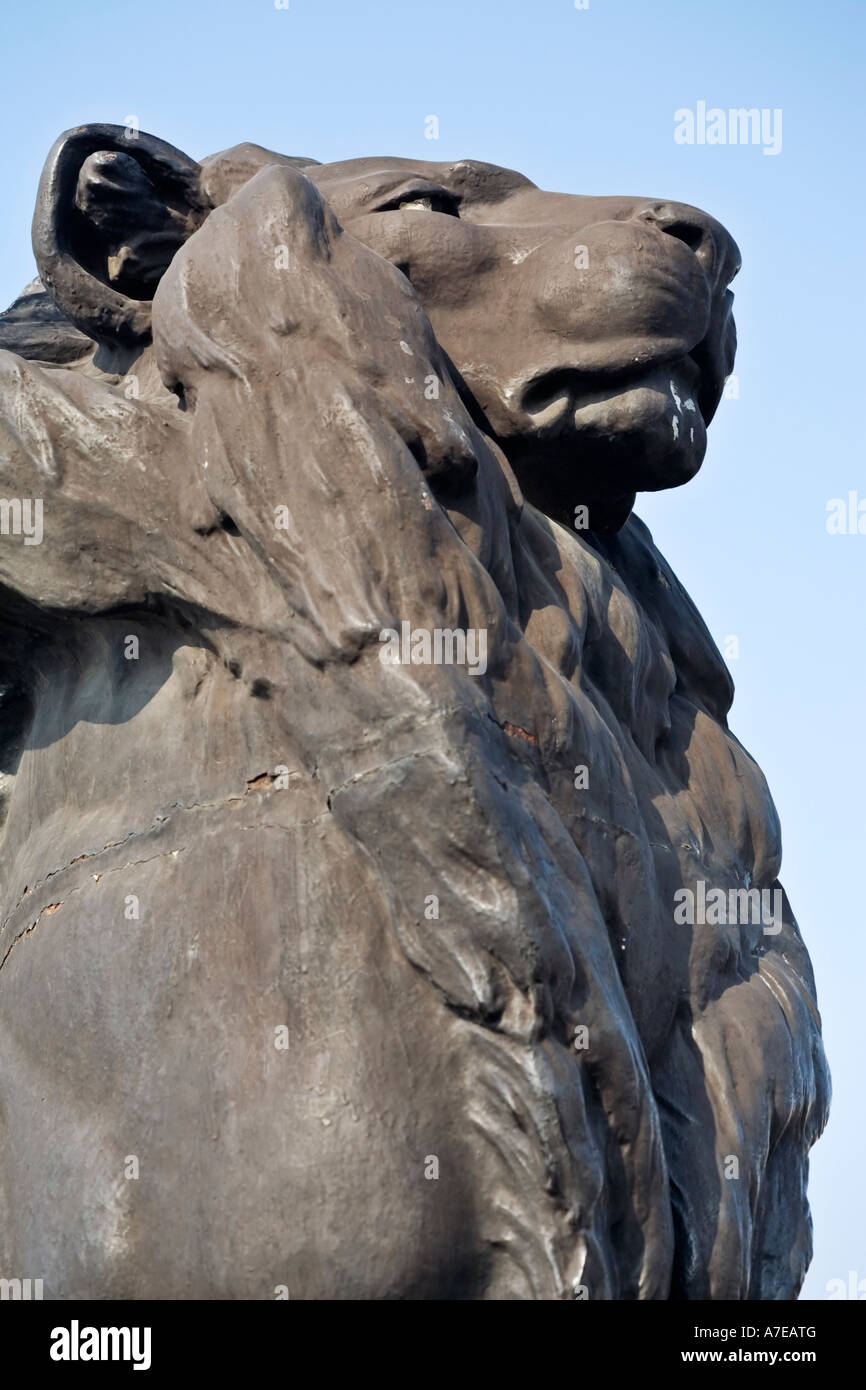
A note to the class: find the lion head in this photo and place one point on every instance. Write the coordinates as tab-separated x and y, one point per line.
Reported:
593	334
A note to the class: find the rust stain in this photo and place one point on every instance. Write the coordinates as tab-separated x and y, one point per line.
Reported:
515	731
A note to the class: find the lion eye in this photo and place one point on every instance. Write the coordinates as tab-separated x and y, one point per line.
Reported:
434	200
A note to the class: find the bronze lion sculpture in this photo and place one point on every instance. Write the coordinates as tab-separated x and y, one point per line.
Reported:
332	968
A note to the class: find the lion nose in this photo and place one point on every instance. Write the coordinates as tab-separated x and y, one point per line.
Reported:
710	243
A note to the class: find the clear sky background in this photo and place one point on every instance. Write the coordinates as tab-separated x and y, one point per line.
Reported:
583	101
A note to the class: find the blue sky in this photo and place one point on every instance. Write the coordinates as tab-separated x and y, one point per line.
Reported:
584	101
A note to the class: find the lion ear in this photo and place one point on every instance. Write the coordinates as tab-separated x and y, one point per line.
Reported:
113	207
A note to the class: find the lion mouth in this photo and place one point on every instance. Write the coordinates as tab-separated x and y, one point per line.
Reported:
562	400
557	400
583	435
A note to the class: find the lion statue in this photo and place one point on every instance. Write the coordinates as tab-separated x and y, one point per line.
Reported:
360	752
